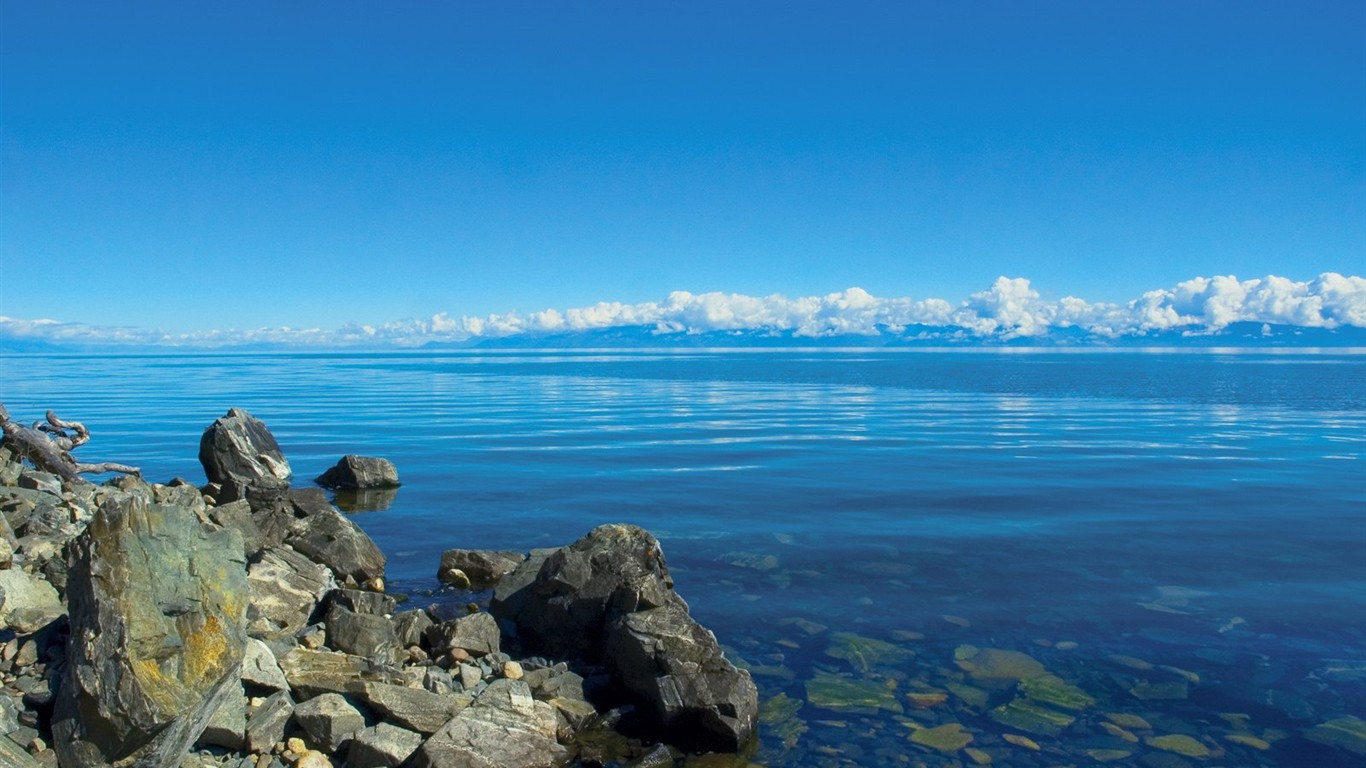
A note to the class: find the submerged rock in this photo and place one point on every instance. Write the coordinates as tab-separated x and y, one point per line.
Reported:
947	738
239	453
846	694
480	568
158	606
360	472
1347	733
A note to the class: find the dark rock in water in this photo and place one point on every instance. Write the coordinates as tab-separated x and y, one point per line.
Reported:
382	746
609	597
562	604
674	667
505	727
482	568
360	472
239	453
285	588
157	605
329	720
333	540
477	633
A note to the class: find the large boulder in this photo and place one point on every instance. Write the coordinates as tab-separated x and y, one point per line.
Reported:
333	540
562	603
239	453
359	473
157	604
674	668
504	727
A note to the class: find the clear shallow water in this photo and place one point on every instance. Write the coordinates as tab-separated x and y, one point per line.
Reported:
1200	511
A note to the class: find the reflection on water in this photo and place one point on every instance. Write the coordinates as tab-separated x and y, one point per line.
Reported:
1024	559
366	500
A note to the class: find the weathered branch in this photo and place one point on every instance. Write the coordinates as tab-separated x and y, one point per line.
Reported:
48	446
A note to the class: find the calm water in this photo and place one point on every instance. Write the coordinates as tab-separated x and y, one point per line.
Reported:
1178	535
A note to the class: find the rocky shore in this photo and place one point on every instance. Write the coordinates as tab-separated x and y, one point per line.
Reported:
244	622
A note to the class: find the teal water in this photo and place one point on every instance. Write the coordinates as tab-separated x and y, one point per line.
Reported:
1179	536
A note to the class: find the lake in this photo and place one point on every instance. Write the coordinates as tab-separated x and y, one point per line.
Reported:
1139	558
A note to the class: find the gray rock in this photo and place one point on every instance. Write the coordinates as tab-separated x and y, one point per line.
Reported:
259	667
382	746
157	608
311	673
363	634
308	501
359	472
45	482
505	727
228	726
676	670
237	515
333	540
13	756
238	450
470	676
329	720
266	724
562	605
477	633
438	680
285	589
362	601
483	568
27	602
411	626
419	710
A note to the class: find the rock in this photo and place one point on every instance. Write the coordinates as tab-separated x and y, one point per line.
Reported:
1055	692
1347	733
674	667
329	720
846	694
313	759
411	626
259	667
1025	715
947	738
864	653
266	723
361	601
382	746
333	540
238	515
562	602
157	608
238	451
360	472
228	726
505	727
307	502
413	708
481	568
512	670
27	602
362	634
14	756
477	634
285	590
1179	743
311	673
996	667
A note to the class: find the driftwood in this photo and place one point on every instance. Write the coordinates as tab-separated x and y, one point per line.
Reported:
48	446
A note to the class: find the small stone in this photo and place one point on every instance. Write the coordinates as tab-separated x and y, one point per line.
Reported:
456	578
1108	755
957	621
375	585
296	745
1173	690
1066	645
1248	740
1348	733
1020	741
947	738
313	759
1119	733
927	700
1126	720
512	670
977	756
1179	743
458	655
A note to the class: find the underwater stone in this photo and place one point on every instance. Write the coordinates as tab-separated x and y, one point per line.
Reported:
1179	743
1028	716
844	694
1055	692
996	666
864	653
947	738
1347	733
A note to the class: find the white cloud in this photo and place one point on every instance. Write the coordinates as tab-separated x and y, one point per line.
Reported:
1010	308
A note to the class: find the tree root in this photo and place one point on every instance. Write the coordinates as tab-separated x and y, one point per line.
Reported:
48	446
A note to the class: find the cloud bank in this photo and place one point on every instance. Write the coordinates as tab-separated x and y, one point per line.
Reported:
1010	309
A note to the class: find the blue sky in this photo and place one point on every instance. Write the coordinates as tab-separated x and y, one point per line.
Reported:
186	168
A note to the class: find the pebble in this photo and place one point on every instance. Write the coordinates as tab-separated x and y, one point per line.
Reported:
457	578
512	670
296	745
313	759
957	621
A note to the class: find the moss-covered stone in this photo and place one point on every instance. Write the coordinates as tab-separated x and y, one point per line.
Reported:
947	738
865	653
995	666
1056	692
1347	733
1181	744
779	718
1025	715
846	694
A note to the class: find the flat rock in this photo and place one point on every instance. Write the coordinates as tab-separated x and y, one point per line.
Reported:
382	746
413	708
360	472
311	673
362	634
266	724
157	608
228	726
238	451
504	727
477	633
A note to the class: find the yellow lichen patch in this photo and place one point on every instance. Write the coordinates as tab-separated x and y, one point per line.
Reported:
1020	741
204	650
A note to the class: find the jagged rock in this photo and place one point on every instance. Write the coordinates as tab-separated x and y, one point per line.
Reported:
359	472
259	667
361	601
674	667
27	602
239	453
505	727
561	605
414	708
308	501
237	515
411	626
266	724
228	726
311	673
157	608
477	633
285	589
362	634
329	720
382	746
482	568
13	756
333	540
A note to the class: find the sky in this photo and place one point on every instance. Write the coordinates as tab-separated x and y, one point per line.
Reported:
191	169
